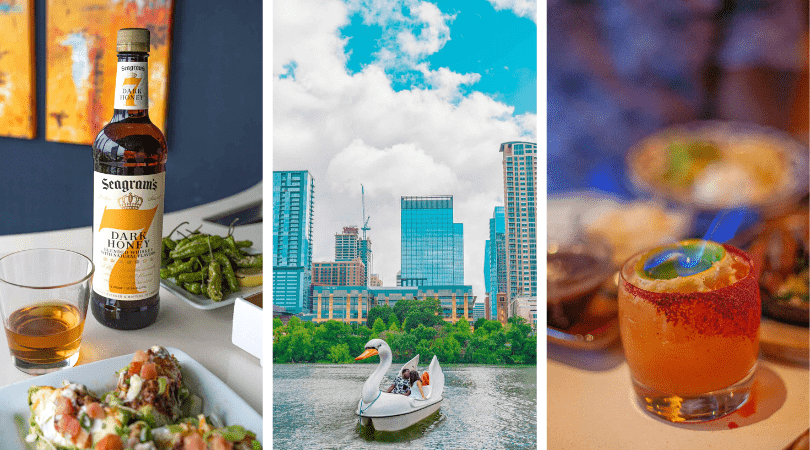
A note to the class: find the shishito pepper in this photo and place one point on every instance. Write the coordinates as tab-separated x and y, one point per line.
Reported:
197	247
183	267
248	261
232	252
227	271
214	281
229	242
194	288
190	277
169	243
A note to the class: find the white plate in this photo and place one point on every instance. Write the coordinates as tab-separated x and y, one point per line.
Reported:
203	302
99	377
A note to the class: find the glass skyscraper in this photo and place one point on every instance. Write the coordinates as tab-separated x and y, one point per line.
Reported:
520	195
495	257
293	207
487	266
432	249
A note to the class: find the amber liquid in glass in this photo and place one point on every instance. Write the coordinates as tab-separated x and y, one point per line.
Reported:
129	145
682	344
45	333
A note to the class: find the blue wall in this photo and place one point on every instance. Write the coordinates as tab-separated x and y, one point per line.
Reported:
214	125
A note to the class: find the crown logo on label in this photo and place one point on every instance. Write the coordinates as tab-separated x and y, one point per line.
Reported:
130	201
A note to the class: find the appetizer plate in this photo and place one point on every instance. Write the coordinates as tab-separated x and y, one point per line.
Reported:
758	167
203	302
218	399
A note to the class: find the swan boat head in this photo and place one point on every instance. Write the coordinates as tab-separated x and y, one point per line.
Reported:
371	388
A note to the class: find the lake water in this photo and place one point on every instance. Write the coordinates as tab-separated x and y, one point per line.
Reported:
484	407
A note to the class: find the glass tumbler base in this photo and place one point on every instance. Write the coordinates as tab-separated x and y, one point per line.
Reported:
42	369
695	408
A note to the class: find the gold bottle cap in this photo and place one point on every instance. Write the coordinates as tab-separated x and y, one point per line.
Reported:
133	40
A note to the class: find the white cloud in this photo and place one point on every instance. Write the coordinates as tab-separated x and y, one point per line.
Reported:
432	35
521	8
351	129
386	172
446	83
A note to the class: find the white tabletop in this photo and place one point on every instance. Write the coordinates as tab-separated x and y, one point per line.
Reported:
591	404
203	335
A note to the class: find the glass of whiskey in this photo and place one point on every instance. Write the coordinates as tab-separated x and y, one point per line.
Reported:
44	295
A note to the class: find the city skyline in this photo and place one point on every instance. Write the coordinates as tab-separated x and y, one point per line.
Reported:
420	115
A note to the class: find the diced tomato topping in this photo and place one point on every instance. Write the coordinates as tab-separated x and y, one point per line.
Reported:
110	442
59	426
148	371
193	442
83	440
70	426
64	406
135	367
140	356
220	443
95	411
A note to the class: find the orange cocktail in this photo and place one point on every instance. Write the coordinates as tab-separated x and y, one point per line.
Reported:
689	317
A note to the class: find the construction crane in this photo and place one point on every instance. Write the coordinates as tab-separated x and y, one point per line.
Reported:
369	270
365	219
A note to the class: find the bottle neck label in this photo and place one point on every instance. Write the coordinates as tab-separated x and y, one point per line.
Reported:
127	234
131	86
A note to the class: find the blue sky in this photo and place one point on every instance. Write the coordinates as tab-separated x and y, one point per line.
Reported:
406	97
498	45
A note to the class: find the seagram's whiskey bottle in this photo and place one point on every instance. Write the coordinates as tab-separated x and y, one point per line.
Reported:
129	158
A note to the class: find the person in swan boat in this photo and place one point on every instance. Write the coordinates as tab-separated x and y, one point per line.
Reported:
402	384
415	379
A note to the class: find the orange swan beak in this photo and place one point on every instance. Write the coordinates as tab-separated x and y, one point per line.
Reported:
369	352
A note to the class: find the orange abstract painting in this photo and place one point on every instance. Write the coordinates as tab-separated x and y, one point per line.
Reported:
81	62
17	101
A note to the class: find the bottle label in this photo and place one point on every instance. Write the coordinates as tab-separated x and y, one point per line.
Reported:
127	234
131	86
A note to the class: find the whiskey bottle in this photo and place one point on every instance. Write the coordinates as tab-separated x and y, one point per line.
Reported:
129	161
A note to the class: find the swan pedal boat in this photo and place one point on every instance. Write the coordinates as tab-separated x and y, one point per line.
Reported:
394	412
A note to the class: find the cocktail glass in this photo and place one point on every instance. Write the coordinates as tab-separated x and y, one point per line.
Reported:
689	317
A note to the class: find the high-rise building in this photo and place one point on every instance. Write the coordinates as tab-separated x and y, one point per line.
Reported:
487	266
520	195
432	250
399	278
374	280
364	252
349	245
293	206
339	273
346	244
495	256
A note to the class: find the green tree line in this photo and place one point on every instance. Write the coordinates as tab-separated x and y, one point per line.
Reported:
411	327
